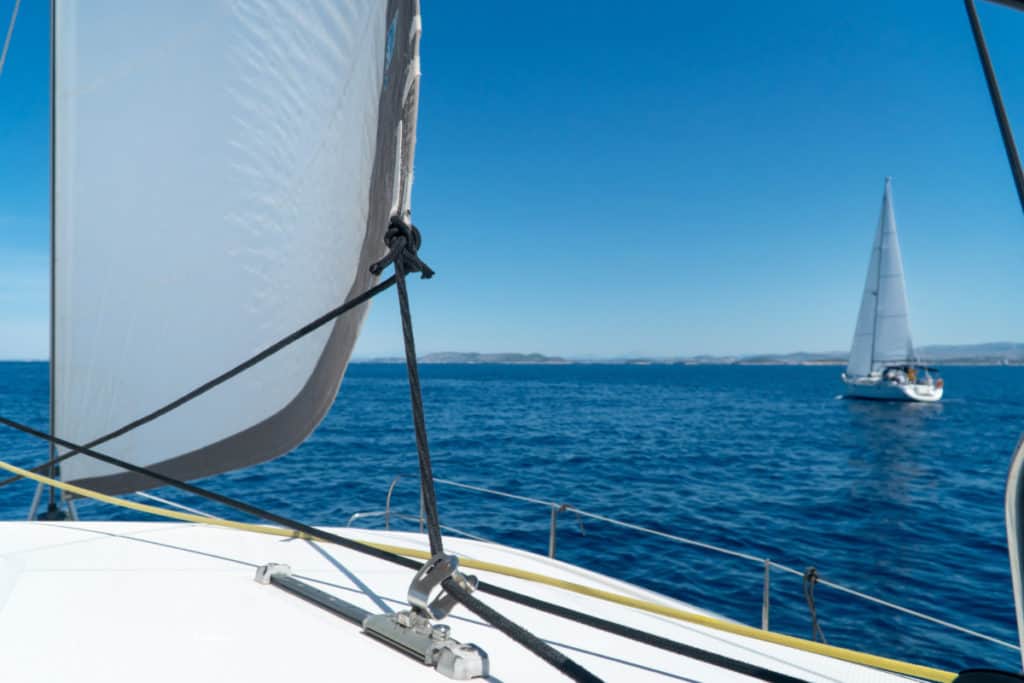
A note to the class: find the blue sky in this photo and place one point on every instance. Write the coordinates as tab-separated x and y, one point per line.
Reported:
665	179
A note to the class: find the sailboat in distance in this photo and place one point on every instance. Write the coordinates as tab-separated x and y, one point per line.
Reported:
883	365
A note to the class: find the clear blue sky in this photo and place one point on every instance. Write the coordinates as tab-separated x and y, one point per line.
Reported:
600	179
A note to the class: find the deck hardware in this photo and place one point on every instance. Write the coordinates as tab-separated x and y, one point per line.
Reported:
432	644
427	584
265	574
411	631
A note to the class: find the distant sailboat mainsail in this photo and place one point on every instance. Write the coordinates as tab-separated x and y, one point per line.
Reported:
227	184
882	337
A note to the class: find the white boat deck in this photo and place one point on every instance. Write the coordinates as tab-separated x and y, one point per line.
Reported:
162	601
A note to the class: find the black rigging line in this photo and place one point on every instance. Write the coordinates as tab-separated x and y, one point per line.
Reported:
519	634
220	379
639	636
403	242
997	100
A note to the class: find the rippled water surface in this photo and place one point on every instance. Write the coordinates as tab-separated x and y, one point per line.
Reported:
903	501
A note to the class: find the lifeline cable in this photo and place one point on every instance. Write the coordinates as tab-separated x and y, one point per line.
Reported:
220	379
886	664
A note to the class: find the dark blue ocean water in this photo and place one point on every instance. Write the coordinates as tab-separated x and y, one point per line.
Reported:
903	501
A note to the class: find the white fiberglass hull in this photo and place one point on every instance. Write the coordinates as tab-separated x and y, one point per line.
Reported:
882	390
124	601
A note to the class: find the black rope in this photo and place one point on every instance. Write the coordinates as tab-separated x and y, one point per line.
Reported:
810	580
484	587
214	496
517	633
220	379
403	242
639	636
997	100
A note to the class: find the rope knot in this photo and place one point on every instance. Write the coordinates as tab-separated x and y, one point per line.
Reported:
403	242
811	578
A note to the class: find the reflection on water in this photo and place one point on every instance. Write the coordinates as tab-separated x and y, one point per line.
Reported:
892	441
895	447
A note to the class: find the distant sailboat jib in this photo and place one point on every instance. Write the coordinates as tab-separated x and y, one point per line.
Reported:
882	362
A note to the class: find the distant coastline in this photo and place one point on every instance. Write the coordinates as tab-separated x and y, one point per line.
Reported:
991	353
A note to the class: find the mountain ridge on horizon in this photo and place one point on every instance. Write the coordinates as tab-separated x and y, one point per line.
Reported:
984	353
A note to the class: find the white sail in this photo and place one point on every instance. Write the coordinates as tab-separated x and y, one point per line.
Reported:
882	336
224	171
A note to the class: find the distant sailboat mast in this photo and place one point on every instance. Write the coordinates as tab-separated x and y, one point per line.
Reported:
876	259
882	336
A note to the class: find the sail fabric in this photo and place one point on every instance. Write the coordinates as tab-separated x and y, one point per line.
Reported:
882	336
224	171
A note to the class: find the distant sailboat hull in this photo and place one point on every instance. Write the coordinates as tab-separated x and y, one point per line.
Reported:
883	365
879	389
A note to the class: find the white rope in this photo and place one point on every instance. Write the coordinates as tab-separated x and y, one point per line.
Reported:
10	32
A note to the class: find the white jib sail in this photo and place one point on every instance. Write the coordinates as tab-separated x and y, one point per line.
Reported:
882	336
224	171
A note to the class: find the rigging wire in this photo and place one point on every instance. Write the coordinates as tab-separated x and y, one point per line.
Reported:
1005	130
10	32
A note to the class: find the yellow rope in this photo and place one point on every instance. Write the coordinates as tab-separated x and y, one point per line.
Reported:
885	663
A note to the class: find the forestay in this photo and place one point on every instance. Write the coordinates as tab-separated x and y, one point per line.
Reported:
882	336
223	174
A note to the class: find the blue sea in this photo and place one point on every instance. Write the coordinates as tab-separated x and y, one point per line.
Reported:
902	501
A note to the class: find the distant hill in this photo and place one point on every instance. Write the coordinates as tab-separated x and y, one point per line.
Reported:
472	358
991	353
988	353
504	358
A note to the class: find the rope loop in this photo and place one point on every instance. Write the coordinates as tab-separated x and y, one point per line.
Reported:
403	241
